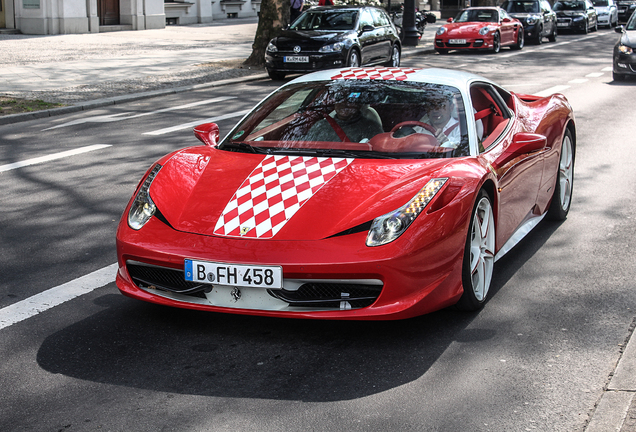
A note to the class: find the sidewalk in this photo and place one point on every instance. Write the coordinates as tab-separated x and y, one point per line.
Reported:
90	70
101	69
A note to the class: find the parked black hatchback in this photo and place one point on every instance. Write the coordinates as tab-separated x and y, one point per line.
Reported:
537	17
333	37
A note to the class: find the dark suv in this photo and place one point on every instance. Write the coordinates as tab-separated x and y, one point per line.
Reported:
625	9
538	18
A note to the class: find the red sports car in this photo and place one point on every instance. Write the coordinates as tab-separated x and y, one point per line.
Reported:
481	28
359	193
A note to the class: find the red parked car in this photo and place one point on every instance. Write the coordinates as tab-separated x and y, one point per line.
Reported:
360	193
480	28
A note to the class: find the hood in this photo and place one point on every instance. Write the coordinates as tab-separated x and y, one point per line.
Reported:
308	40
629	38
465	29
211	192
568	13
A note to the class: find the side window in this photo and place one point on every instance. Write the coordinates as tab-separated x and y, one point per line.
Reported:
379	19
365	18
491	113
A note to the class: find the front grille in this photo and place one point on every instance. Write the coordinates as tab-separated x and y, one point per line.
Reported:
330	295
162	278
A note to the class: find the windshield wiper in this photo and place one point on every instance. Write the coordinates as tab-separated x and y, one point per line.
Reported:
243	147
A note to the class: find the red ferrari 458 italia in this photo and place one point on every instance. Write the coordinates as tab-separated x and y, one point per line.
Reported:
480	28
360	193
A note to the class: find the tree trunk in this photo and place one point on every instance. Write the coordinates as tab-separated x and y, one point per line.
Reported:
274	15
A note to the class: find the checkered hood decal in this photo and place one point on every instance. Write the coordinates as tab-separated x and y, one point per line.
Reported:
276	189
398	74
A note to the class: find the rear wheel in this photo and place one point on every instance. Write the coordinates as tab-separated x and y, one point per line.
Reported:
496	43
562	196
275	75
442	51
479	255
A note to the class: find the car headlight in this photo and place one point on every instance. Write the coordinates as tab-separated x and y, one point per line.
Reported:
533	19
334	47
272	48
484	30
441	31
143	207
390	226
625	49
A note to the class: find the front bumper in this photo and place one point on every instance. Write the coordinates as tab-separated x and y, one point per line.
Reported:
316	61
624	64
484	42
399	280
577	24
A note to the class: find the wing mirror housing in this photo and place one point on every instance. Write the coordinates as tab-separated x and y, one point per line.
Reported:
523	143
207	133
367	28
450	20
619	29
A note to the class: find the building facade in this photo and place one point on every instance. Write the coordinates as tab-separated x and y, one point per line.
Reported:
48	17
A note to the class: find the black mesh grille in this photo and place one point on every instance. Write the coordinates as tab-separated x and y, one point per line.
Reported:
330	295
163	278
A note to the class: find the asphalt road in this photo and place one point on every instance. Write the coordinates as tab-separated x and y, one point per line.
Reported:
537	357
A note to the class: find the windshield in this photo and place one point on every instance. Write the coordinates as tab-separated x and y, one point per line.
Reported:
631	25
569	5
326	20
477	15
521	7
600	3
356	118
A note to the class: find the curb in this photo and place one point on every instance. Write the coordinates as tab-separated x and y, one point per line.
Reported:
85	106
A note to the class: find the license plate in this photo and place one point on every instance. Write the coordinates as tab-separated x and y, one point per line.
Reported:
621	10
563	24
234	274
296	59
457	41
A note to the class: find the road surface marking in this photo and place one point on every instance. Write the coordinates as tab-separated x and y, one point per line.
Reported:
50	298
595	75
198	122
128	115
578	81
552	90
51	157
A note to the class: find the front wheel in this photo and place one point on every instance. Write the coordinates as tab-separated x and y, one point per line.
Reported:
354	59
562	196
520	40
442	51
395	57
553	35
496	43
275	75
479	255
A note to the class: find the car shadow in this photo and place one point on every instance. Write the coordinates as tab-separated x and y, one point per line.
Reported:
139	345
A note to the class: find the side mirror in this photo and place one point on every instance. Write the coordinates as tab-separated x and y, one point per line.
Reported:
506	20
207	133
619	29
450	20
367	28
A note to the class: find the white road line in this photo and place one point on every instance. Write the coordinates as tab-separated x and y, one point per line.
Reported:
607	69
55	296
552	90
197	122
127	115
595	75
51	157
578	81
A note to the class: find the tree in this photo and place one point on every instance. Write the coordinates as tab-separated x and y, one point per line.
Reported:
274	15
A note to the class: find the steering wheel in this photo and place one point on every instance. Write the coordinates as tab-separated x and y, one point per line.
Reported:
428	127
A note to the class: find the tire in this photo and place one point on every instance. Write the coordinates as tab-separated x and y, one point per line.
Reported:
496	43
595	28
520	40
586	29
562	196
553	35
353	60
479	255
395	57
539	38
275	75
442	51
618	76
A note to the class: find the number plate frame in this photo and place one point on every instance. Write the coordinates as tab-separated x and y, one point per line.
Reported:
239	275
457	41
296	59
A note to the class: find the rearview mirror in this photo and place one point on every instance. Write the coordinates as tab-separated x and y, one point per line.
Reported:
207	133
524	143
